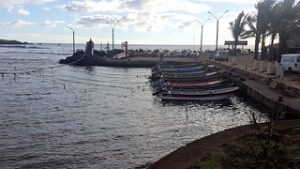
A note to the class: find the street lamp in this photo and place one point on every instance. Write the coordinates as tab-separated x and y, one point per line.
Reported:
201	35
73	38
113	23
217	32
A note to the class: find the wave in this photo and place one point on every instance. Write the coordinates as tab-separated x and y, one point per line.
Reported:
22	46
41	53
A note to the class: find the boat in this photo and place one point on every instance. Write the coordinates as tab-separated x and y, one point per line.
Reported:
207	95
199	89
191	77
194	68
173	66
184	74
193	84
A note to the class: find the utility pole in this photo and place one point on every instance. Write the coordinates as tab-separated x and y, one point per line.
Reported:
217	29
73	38
201	35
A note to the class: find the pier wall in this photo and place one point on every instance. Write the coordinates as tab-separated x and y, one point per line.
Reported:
269	92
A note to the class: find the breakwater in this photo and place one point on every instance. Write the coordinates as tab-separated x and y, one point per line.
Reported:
138	58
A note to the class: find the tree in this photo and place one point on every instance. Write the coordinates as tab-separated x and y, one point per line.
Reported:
238	28
264	14
252	32
289	14
274	28
259	25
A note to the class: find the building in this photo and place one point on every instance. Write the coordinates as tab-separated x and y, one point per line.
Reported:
239	43
293	42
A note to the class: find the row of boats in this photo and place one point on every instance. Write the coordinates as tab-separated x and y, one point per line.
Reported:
190	82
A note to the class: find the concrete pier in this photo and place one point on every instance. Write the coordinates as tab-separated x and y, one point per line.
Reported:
280	95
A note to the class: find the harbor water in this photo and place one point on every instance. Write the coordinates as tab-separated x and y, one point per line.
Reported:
60	116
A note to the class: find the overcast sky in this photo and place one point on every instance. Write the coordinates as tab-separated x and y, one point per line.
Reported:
141	21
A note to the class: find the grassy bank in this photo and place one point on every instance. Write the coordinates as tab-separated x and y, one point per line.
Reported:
267	148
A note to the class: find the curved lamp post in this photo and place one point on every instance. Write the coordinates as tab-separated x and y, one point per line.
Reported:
201	35
217	32
73	38
113	23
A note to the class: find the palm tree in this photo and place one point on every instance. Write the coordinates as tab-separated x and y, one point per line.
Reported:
252	32
274	28
259	25
288	16
238	28
263	21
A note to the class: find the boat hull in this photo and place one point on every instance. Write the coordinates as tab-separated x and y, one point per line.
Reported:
196	98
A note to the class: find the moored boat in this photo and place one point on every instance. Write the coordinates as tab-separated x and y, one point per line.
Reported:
206	95
196	98
194	84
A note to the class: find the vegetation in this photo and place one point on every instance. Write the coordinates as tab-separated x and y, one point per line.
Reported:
238	28
273	19
267	149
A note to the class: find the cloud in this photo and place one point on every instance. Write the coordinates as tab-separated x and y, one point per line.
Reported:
10	4
23	11
91	6
16	24
92	21
121	6
141	15
142	21
185	24
231	1
52	23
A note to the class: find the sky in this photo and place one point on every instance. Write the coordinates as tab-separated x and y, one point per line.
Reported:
139	21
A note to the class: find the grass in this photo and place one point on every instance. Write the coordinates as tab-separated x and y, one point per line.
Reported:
267	149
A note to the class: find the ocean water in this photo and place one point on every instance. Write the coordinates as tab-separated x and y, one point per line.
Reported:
60	116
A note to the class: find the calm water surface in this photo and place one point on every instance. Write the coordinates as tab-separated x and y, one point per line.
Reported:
95	117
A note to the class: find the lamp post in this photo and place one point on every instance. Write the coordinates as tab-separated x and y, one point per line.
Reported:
201	35
113	23
73	38
217	31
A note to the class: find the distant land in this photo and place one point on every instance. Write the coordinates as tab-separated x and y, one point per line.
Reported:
3	41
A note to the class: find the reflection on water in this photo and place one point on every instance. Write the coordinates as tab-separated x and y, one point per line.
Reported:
96	117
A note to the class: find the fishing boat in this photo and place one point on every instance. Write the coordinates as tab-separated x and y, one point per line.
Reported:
173	66
210	87
191	82
195	84
192	77
208	95
194	68
184	74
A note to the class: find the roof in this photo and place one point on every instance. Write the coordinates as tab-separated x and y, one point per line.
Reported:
239	42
